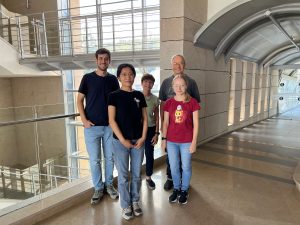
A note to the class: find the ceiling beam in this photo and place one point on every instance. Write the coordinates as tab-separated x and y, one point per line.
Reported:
281	29
287	66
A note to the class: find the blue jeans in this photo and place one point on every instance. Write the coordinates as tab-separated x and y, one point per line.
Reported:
128	194
175	152
94	137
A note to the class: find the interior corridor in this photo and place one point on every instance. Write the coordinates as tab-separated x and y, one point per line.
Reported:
243	178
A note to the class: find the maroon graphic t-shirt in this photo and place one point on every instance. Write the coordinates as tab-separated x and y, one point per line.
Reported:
180	127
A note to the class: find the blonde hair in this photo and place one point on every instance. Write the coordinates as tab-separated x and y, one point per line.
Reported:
183	77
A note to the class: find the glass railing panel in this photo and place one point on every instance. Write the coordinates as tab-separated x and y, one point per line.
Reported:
7	114
49	110
37	157
19	159
288	101
23	113
16	113
58	167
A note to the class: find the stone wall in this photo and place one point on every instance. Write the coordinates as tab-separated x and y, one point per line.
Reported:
233	94
20	144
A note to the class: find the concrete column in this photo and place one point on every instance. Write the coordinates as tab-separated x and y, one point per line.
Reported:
45	93
8	145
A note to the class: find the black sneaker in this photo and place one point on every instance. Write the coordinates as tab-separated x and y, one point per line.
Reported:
174	196
168	185
183	197
150	184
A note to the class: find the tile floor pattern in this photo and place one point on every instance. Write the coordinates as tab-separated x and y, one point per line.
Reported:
244	178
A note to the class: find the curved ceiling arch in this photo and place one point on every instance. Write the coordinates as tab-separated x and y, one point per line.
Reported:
253	30
275	55
257	30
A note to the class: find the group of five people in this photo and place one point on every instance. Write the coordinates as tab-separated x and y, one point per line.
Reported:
125	124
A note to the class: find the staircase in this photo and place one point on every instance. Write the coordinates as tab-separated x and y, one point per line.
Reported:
10	66
68	39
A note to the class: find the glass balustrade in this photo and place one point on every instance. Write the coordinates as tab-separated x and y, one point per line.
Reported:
41	149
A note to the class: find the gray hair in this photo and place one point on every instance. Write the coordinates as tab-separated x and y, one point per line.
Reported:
182	57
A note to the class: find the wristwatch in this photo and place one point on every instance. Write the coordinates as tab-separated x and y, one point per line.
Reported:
163	138
157	133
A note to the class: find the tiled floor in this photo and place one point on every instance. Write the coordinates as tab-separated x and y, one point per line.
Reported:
244	178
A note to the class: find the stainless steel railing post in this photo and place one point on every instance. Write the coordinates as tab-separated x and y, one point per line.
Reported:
45	35
20	39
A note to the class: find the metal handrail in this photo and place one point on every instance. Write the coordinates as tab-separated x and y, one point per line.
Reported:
69	167
32	181
13	173
120	12
51	175
21	107
59	116
26	173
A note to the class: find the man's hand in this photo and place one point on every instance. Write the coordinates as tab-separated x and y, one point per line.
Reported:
87	124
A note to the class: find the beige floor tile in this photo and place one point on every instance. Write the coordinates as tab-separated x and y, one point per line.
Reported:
225	189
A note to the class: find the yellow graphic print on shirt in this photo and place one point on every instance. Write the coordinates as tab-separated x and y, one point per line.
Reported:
179	114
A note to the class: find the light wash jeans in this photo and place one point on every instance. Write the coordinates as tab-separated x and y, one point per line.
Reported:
128	193
175	152
96	136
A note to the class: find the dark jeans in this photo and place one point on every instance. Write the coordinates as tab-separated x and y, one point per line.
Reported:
169	175
149	151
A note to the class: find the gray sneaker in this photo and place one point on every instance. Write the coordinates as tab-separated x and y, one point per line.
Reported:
137	209
127	213
97	196
113	193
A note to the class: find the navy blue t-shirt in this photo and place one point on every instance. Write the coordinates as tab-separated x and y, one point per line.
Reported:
129	112
96	89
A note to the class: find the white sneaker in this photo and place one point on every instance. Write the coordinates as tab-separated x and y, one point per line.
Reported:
113	193
127	213
137	210
97	196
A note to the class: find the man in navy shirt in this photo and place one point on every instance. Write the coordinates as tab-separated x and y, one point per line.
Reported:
94	89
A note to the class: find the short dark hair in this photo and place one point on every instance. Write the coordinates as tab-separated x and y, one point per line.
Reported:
148	76
125	65
101	51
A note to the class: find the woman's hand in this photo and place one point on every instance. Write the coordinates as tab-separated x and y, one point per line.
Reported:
126	143
163	144
154	139
139	143
193	147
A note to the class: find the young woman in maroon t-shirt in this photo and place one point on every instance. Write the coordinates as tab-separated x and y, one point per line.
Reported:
180	131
